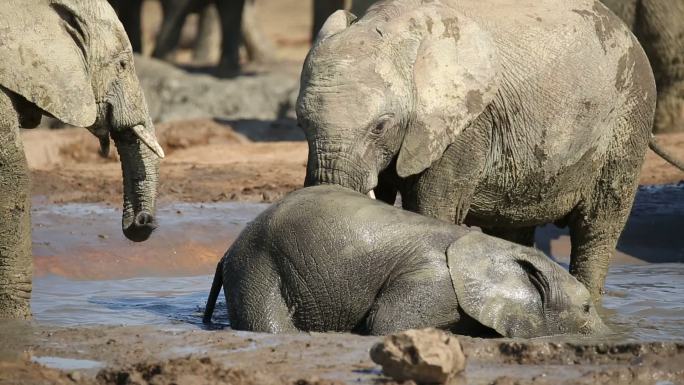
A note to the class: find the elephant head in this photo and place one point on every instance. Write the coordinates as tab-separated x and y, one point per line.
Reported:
399	84
75	63
518	291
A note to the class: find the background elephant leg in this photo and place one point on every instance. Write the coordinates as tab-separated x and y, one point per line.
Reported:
520	235
659	27
321	10
174	14
231	26
259	48
15	221
412	303
208	42
129	14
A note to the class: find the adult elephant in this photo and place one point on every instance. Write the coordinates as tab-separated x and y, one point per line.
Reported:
475	112
75	64
659	26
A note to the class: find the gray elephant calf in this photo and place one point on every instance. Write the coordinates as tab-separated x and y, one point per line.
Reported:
327	258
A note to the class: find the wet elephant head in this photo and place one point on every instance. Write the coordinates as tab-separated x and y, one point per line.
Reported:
518	291
83	74
398	84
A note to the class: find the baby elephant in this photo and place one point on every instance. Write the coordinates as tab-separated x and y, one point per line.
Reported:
326	258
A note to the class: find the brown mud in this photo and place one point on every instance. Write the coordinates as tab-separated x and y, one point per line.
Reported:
108	355
207	162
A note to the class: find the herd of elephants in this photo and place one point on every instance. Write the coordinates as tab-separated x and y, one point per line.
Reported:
500	114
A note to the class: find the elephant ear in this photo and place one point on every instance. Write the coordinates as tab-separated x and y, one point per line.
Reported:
44	51
497	285
337	22
454	78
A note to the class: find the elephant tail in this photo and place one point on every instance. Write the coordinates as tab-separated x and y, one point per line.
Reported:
669	158
214	293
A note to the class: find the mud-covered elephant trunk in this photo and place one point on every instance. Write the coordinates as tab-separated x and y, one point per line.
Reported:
140	167
338	167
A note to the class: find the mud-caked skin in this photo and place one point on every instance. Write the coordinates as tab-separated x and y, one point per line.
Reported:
658	26
69	59
327	258
506	114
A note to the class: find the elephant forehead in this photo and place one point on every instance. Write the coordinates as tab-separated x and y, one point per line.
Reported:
342	103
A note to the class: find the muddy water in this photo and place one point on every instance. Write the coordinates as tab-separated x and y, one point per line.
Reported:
88	274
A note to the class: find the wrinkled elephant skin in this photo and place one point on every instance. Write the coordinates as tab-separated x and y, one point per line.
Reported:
339	261
475	113
81	72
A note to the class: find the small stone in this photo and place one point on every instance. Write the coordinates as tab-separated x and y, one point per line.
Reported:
427	356
75	376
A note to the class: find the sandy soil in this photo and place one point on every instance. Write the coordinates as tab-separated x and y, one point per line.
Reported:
206	162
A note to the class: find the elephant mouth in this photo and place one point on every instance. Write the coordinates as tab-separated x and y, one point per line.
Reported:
141	227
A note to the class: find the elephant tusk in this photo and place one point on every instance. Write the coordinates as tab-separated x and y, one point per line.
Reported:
371	194
148	138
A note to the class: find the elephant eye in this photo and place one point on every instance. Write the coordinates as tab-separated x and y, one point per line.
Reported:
382	125
586	307
123	64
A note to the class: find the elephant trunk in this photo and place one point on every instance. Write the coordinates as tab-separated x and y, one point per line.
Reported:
140	168
335	167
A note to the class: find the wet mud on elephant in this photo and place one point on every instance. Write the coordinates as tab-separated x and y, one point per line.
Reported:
75	64
336	260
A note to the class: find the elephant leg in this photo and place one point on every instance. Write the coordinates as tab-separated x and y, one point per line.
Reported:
208	36
597	222
129	14
660	31
259	48
256	303
15	221
174	14
410	302
231	27
520	235
445	190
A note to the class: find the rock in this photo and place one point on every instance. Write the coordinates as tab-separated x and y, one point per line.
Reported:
174	94
427	356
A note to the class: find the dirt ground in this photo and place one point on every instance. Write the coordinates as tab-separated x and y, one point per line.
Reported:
148	355
206	162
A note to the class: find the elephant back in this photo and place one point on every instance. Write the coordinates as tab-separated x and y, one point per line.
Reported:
44	59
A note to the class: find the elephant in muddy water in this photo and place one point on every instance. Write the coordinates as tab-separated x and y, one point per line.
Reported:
327	258
475	113
75	64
